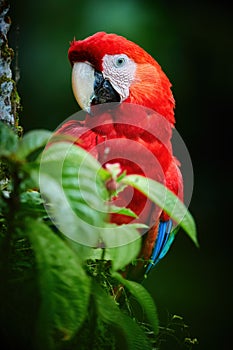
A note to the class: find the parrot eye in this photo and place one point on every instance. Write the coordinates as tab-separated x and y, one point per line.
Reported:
119	61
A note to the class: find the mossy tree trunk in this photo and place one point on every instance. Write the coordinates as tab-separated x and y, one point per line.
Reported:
9	98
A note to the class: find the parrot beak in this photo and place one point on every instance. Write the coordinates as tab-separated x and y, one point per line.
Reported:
83	79
90	88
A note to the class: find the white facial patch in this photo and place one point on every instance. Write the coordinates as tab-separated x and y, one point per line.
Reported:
120	71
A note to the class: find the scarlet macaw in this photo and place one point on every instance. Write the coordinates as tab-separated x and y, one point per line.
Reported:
109	68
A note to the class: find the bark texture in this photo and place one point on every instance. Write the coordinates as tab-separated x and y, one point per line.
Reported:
9	98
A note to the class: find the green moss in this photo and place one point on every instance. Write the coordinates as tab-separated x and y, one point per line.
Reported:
3	79
7	52
16	106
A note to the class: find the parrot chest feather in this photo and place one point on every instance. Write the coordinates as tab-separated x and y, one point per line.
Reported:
137	134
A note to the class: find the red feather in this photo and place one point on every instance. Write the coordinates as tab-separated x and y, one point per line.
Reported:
148	132
154	93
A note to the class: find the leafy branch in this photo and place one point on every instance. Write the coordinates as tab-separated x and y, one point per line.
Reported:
62	246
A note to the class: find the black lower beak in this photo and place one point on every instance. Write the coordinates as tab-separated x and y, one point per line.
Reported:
103	91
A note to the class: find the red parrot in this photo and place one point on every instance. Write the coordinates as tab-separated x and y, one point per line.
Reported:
136	132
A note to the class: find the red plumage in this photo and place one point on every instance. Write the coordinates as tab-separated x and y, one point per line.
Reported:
155	93
145	118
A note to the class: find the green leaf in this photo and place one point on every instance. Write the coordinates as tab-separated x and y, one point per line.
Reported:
165	199
104	174
122	211
32	143
8	140
122	244
71	183
31	204
63	285
129	334
32	198
144	299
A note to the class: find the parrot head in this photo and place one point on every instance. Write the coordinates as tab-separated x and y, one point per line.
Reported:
109	68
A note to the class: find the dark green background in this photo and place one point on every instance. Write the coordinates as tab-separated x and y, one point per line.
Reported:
192	41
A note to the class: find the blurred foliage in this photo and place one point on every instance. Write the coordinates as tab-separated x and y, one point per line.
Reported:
70	295
39	270
193	43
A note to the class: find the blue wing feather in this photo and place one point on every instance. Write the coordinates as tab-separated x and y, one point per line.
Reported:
163	242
